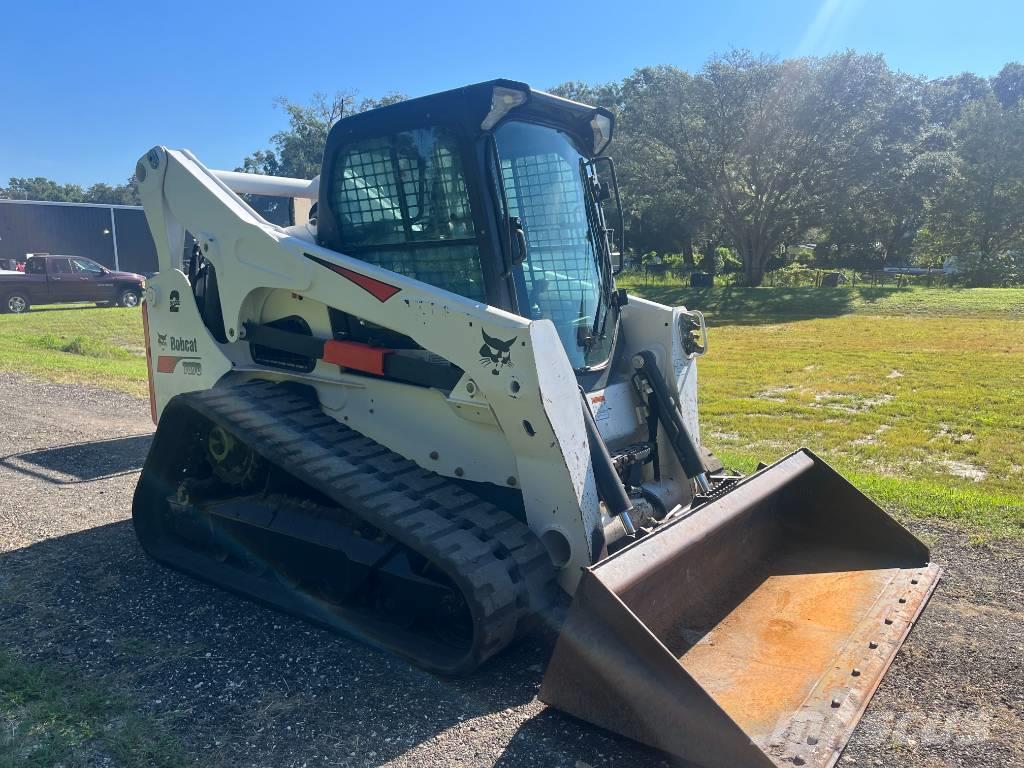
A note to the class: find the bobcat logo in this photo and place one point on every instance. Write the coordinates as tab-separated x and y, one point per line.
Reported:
496	353
161	339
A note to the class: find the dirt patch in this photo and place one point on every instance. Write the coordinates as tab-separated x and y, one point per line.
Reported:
872	439
724	436
849	403
964	469
946	432
775	394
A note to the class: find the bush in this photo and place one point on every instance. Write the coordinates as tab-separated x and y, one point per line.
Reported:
998	270
793	275
720	261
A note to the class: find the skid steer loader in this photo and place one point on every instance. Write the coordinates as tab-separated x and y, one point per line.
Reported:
417	415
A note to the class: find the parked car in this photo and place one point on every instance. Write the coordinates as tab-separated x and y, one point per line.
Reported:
55	279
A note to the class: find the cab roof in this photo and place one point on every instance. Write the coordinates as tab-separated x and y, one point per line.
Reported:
469	106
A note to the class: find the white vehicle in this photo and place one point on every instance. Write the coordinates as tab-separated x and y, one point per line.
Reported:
418	415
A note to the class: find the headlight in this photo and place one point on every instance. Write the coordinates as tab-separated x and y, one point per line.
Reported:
602	127
503	101
693	333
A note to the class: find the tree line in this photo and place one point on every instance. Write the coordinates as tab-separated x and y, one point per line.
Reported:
866	166
871	166
42	188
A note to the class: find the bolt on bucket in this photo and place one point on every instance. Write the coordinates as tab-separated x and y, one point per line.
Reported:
751	632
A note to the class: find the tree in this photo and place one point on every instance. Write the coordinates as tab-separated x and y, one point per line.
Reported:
947	96
1008	85
121	194
874	212
979	215
775	141
298	151
665	210
41	188
671	210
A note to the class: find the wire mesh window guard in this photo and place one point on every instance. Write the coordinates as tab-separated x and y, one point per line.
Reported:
402	204
541	174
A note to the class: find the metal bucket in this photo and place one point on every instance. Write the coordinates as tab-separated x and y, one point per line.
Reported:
751	632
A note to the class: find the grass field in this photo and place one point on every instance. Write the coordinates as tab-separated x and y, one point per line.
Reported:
77	343
758	305
915	394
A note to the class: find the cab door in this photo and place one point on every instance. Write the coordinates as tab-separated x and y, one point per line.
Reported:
92	281
61	279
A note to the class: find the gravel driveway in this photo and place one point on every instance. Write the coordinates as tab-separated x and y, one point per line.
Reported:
242	685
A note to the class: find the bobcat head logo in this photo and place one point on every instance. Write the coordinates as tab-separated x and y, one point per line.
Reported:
161	339
496	353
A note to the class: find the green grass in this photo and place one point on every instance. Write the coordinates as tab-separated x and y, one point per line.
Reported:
51	716
77	344
916	395
752	305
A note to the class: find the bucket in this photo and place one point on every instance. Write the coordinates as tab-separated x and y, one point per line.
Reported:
751	631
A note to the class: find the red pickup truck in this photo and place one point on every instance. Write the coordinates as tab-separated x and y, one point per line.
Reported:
57	279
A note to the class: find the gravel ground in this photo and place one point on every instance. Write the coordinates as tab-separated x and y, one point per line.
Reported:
242	685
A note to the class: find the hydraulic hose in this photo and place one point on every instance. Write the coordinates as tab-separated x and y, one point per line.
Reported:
647	373
609	487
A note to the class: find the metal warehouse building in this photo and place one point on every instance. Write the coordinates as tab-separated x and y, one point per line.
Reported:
117	236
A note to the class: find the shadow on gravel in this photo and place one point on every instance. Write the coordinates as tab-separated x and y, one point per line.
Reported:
578	743
82	462
240	684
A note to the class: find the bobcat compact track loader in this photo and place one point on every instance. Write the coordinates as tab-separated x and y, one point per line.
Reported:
417	415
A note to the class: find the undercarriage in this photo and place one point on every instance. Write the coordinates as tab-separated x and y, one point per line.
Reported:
321	522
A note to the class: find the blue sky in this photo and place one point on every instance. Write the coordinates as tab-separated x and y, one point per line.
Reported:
88	87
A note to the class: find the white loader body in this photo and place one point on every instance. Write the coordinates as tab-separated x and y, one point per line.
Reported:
514	424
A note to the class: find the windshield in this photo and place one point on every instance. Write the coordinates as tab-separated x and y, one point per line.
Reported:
562	279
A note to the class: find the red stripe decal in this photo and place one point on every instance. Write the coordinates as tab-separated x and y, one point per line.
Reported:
167	363
379	290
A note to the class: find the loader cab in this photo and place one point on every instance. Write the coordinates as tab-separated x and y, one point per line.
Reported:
494	192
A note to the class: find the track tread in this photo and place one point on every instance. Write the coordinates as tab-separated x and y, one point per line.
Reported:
499	565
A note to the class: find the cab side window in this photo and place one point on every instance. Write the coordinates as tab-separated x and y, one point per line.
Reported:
402	204
87	267
35	267
60	267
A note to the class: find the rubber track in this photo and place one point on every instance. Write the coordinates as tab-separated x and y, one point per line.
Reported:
502	569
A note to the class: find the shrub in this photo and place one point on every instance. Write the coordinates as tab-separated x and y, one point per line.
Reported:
793	275
1002	269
